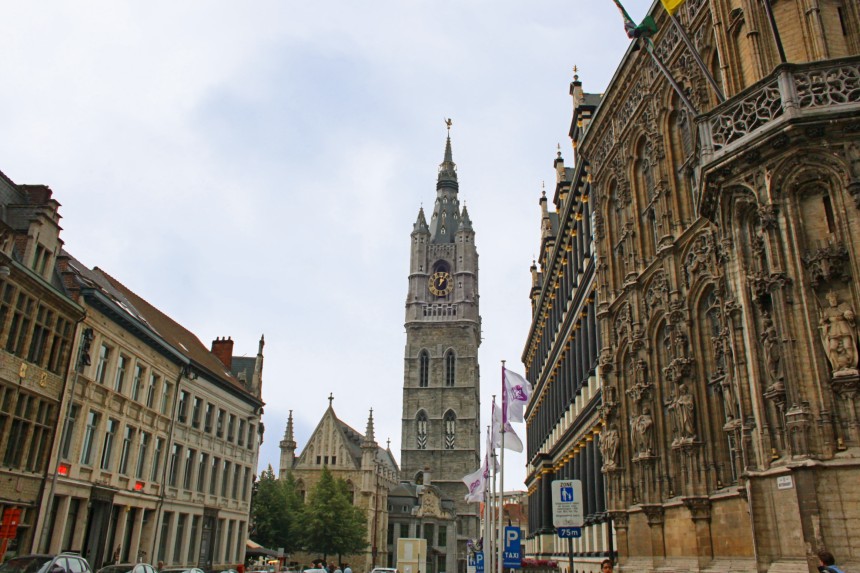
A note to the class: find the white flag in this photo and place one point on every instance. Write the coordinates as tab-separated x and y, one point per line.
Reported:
476	482
517	391
512	440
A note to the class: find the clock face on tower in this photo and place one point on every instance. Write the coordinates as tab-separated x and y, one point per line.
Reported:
440	284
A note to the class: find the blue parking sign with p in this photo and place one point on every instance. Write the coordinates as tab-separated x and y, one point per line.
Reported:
513	550
476	560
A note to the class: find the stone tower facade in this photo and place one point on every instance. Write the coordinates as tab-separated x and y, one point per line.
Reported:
441	389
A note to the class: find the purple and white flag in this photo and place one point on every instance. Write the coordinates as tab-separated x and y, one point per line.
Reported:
512	440
477	483
515	396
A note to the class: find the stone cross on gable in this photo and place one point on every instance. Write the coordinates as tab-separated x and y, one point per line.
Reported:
330	399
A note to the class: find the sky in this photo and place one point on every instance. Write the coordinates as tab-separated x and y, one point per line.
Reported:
255	168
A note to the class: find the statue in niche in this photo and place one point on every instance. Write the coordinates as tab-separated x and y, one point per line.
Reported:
609	446
643	430
772	354
641	373
684	408
839	334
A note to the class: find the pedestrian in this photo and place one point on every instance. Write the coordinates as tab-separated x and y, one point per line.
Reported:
606	566
827	562
160	565
346	568
337	569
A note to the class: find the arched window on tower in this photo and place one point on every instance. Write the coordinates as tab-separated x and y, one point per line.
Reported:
450	370
450	429
421	430
423	369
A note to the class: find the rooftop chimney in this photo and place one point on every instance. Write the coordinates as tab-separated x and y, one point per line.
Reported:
222	348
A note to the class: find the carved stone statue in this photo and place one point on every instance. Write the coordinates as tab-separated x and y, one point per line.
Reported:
609	446
772	352
643	433
839	335
685	407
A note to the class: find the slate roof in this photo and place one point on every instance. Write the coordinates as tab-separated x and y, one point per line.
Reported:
177	336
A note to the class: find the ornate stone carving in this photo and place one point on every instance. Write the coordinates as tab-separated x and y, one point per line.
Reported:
827	264
772	357
654	513
698	259
839	335
767	215
829	86
658	293
700	508
642	430
609	440
683	408
745	115
623	321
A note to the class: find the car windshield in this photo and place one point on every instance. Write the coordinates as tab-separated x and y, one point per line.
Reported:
29	564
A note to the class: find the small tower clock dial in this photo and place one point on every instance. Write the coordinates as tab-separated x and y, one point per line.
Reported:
440	284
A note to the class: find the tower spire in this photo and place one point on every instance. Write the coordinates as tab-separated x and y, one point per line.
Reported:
448	169
369	434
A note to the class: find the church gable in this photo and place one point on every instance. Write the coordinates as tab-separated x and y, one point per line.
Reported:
330	445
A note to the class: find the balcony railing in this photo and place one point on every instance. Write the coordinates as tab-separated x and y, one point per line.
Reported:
793	91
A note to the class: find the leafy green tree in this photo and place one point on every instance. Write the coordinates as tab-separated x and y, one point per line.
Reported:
271	521
333	526
295	514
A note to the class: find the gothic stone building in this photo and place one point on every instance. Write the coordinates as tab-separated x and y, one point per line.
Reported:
727	240
441	388
369	471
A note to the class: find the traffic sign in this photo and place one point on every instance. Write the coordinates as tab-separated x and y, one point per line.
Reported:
567	503
569	532
476	560
513	551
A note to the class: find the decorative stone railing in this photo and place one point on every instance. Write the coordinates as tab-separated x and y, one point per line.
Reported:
794	90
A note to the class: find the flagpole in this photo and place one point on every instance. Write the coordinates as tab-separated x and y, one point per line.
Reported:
697	57
502	476
492	516
488	542
649	46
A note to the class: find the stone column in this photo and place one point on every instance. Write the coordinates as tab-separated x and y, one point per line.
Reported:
655	515
60	524
136	533
700	513
620	522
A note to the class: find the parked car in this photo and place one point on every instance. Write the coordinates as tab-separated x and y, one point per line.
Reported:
181	570
62	563
383	570
128	568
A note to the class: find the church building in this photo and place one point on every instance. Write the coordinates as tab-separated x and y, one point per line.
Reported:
369	471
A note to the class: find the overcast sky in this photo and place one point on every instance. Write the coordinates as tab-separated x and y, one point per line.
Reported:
256	167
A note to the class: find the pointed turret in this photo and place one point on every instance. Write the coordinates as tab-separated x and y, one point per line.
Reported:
420	226
257	379
288	449
465	221
369	436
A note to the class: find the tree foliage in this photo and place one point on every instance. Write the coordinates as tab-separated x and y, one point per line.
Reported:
276	512
333	526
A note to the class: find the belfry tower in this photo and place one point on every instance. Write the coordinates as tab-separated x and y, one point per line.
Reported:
441	386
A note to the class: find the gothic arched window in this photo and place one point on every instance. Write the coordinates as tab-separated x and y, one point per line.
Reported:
450	429
423	369
421	430
450	362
